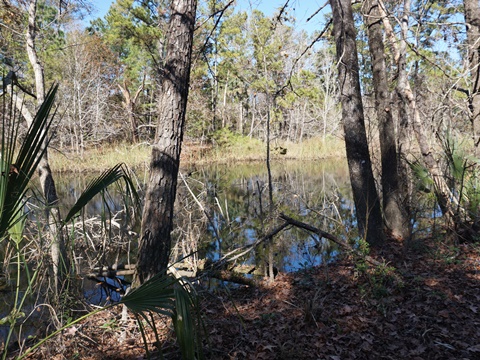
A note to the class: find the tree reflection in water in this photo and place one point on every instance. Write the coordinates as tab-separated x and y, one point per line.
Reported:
235	211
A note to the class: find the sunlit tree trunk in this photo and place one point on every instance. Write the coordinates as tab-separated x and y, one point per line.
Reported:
58	251
446	200
129	104
157	219
365	195
395	214
240	118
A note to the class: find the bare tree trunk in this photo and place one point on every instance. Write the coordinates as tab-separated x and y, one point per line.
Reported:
58	250
224	105
129	103
395	214
365	195
442	191
472	20
404	146
32	52
254	112
240	119
157	220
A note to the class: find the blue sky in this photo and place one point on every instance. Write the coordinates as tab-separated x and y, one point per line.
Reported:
303	10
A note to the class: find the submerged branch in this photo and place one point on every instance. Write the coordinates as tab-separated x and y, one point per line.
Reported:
323	234
234	255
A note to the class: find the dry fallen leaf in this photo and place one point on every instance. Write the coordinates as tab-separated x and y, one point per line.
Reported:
71	331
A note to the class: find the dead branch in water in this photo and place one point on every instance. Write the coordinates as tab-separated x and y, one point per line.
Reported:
323	234
241	251
219	269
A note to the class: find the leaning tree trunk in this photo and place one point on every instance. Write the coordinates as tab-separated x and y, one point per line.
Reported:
472	20
445	198
58	251
365	195
157	216
394	210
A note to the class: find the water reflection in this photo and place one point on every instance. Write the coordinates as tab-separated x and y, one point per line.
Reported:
236	209
236	201
231	209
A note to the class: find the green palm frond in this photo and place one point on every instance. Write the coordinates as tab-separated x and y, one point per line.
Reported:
166	295
101	183
455	157
18	225
422	175
458	166
154	295
471	193
184	323
463	172
16	174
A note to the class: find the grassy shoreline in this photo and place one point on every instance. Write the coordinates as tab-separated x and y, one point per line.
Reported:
138	156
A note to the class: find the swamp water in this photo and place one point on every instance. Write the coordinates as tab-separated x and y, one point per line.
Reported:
223	207
219	208
241	209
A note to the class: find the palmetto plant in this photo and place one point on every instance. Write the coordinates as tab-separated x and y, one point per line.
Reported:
17	168
461	173
162	294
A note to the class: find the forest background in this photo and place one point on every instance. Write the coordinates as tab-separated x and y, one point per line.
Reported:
395	84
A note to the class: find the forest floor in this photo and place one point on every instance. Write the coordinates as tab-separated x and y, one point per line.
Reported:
424	305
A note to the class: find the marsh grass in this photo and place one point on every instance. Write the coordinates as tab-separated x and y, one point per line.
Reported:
238	148
100	158
316	148
242	148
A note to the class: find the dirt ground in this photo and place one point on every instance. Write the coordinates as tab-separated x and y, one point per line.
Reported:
425	304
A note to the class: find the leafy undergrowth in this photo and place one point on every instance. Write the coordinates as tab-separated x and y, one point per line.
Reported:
424	305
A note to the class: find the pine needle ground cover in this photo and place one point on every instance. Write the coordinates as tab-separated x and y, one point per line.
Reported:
423	305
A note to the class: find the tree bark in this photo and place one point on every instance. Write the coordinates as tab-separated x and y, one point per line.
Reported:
157	224
32	52
444	196
367	204
395	213
58	250
472	20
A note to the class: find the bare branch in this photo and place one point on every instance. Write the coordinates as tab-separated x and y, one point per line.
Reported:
234	255
323	234
319	36
316	12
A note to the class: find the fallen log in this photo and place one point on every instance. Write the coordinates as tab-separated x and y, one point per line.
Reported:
112	271
231	276
236	274
241	251
326	235
115	267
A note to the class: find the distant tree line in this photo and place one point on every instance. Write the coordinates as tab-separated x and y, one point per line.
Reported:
109	71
